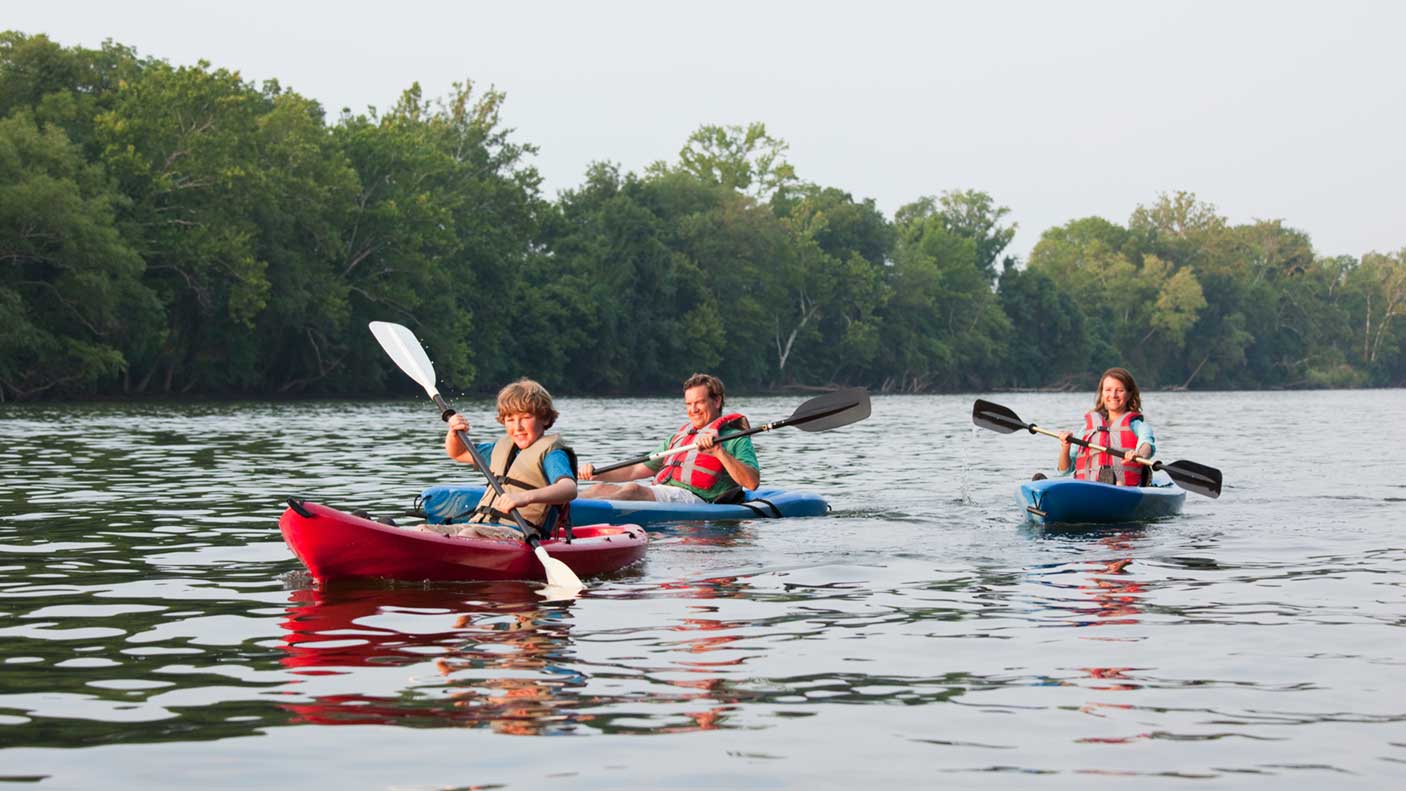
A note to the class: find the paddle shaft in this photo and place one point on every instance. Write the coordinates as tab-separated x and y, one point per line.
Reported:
1034	429
686	448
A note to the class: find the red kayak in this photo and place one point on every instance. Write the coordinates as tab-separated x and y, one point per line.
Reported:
335	545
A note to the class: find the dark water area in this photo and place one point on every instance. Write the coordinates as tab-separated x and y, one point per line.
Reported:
155	632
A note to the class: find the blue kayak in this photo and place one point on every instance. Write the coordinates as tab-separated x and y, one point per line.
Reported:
1070	501
453	502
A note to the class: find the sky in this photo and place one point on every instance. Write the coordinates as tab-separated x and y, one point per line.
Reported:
1059	110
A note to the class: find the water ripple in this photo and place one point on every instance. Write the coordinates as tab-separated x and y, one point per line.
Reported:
152	615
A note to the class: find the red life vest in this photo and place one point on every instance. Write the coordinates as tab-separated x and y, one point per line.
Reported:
695	470
1120	438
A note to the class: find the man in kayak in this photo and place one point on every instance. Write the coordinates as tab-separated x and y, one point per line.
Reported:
715	471
537	470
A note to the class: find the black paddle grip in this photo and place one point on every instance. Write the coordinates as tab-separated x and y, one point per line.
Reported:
446	411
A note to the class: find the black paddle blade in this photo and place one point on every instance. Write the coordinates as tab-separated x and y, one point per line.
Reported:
995	417
831	410
1195	477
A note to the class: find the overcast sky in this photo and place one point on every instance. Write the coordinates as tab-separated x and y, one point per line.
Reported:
1059	110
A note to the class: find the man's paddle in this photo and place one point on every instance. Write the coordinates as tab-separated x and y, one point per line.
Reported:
821	413
1188	474
403	347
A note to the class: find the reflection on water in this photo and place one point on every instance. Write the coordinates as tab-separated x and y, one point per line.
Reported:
503	661
494	655
152	617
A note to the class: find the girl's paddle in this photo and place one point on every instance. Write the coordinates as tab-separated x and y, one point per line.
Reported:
821	413
403	347
1188	474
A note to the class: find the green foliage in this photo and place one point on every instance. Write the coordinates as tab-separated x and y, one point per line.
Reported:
944	327
175	229
70	296
744	159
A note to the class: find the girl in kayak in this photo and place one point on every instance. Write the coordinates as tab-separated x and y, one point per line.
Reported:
1115	422
537	470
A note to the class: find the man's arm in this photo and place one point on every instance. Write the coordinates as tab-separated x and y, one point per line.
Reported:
746	475
621	475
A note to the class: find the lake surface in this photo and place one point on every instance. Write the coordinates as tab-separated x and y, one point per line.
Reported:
155	632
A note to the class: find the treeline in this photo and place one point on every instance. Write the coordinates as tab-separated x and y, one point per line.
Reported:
177	230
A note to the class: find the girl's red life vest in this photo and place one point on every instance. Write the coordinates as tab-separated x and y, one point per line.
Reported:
693	469
1120	438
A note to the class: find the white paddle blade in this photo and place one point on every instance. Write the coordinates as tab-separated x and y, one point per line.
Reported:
559	575
407	353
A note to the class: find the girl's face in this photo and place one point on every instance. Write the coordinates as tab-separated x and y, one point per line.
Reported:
523	428
1113	395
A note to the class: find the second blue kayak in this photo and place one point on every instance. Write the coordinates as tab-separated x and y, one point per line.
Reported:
1070	501
454	502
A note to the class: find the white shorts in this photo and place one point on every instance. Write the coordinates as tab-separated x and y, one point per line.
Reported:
674	494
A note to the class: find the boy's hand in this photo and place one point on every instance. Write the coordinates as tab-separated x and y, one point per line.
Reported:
587	472
511	500
459	423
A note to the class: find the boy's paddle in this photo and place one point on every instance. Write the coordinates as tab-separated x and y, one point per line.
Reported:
821	413
403	348
1188	474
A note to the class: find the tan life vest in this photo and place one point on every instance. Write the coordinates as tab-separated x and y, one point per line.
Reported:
525	474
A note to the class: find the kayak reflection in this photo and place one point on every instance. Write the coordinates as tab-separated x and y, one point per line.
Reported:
490	655
479	638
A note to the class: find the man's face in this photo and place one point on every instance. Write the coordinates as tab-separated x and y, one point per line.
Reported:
702	408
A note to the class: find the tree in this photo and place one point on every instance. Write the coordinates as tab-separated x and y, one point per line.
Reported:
743	159
615	305
1379	284
65	87
828	330
963	214
70	291
439	232
180	144
1050	335
945	328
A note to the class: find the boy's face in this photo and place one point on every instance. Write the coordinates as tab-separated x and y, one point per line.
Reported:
523	428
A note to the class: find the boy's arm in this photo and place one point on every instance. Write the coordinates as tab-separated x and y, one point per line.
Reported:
563	491
458	452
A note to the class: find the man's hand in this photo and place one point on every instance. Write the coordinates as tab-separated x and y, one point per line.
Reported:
707	439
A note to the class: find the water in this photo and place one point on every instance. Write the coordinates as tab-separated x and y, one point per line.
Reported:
156	633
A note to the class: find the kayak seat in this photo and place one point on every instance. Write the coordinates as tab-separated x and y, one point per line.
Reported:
734	496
